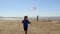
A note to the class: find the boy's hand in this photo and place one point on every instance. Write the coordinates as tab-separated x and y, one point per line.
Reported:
29	22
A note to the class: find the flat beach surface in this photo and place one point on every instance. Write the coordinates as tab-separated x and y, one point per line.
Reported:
43	26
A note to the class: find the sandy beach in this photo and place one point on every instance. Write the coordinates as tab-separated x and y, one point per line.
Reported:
43	26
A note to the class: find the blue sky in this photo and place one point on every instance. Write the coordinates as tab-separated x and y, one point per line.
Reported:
20	8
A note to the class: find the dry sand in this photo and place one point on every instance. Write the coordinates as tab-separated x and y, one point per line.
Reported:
43	26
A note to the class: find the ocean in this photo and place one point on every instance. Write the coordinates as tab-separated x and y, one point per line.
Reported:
11	18
21	18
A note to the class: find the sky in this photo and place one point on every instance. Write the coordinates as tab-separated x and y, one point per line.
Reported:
20	8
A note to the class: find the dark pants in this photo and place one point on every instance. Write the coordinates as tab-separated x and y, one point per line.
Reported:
25	28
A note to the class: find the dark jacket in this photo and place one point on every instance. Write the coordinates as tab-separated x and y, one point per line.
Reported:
25	23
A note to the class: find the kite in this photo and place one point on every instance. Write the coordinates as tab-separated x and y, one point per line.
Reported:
34	8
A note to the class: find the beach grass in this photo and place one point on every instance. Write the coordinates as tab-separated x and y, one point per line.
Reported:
42	26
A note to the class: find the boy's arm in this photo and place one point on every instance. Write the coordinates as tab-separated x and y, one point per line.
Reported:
29	21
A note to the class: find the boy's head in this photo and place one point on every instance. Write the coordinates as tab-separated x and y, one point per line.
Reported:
25	17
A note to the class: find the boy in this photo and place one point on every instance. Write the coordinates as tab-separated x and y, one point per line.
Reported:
25	23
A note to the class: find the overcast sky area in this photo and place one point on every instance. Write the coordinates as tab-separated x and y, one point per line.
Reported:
20	8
